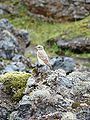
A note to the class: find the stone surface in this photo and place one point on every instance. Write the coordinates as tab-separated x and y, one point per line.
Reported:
59	10
8	45
55	95
65	63
77	44
81	82
15	66
69	116
7	9
12	40
4	114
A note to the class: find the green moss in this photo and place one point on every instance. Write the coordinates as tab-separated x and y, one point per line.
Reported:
75	105
15	83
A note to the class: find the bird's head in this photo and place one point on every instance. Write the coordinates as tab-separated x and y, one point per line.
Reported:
39	47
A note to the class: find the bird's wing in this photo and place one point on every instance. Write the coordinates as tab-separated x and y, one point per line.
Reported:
43	56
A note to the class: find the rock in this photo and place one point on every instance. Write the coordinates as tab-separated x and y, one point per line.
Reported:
51	116
20	58
25	100
17	58
1	66
18	63
1	86
81	82
12	41
15	66
7	9
4	113
8	45
68	116
65	63
55	96
78	44
23	113
30	84
6	25
40	103
59	83
59	10
83	113
24	35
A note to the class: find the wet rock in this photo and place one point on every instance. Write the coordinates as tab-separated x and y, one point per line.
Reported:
65	63
59	10
77	44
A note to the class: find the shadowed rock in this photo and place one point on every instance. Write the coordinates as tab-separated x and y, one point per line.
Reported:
77	44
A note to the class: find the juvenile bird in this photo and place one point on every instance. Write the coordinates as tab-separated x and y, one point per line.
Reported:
42	56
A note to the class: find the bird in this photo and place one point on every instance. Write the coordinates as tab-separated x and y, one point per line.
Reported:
42	56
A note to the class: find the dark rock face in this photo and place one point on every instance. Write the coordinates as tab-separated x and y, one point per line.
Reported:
59	10
8	45
77	44
12	41
65	63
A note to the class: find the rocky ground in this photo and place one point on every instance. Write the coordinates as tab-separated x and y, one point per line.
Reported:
30	92
59	10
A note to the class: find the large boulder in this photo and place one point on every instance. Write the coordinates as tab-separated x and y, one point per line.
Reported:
66	63
12	40
58	10
80	44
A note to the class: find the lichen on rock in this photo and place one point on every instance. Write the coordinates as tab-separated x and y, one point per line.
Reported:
14	83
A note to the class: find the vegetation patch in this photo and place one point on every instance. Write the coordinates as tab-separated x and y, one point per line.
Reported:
15	83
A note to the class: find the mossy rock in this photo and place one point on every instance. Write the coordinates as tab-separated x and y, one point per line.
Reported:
15	83
75	105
